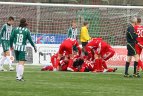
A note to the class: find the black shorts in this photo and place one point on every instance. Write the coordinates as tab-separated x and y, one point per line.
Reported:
131	49
84	44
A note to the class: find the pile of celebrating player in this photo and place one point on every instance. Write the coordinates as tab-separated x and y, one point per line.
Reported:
91	57
67	59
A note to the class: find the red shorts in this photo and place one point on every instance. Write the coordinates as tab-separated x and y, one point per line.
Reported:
107	53
88	66
64	67
53	59
138	49
47	68
65	47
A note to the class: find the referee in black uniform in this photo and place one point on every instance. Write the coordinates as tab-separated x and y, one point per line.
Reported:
131	37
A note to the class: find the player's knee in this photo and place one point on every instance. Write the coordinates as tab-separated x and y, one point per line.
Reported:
7	53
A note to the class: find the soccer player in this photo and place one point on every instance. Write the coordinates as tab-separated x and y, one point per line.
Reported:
101	49
139	30
66	46
131	37
72	31
84	36
19	37
5	37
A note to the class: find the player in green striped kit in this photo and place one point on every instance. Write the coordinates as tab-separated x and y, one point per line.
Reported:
5	37
19	37
72	33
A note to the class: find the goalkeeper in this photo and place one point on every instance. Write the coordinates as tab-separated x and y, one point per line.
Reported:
84	36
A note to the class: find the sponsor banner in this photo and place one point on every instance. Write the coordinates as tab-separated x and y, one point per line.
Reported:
48	50
48	38
120	57
44	53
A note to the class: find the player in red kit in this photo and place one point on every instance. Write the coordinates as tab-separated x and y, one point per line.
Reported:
62	65
66	46
139	30
102	50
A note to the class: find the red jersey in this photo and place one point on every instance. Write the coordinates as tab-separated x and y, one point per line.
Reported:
139	31
67	45
95	44
71	41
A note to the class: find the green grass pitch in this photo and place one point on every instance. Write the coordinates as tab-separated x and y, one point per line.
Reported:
39	83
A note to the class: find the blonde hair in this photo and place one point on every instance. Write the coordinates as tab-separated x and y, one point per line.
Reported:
133	20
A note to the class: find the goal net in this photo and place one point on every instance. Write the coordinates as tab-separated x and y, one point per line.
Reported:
49	22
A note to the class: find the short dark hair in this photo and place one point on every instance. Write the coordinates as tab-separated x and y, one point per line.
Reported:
85	23
11	18
23	22
139	20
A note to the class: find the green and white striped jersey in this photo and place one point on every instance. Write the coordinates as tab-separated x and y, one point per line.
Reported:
19	37
72	33
5	32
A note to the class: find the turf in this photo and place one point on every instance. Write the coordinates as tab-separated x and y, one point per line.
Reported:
39	83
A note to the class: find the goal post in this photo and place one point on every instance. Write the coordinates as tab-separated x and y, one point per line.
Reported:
49	22
108	22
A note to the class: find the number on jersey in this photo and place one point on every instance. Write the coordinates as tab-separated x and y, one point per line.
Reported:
19	38
140	33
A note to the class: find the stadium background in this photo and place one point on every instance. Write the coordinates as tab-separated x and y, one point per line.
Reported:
93	2
49	25
101	25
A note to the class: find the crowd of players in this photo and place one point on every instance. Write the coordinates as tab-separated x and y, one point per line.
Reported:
70	56
98	51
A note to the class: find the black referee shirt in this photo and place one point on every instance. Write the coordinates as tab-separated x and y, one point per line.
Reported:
131	36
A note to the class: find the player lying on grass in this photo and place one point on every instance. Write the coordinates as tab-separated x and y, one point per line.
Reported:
63	64
100	50
93	67
80	64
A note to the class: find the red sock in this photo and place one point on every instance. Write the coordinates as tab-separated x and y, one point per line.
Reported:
70	63
50	68
57	63
140	65
98	65
104	64
82	69
110	70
